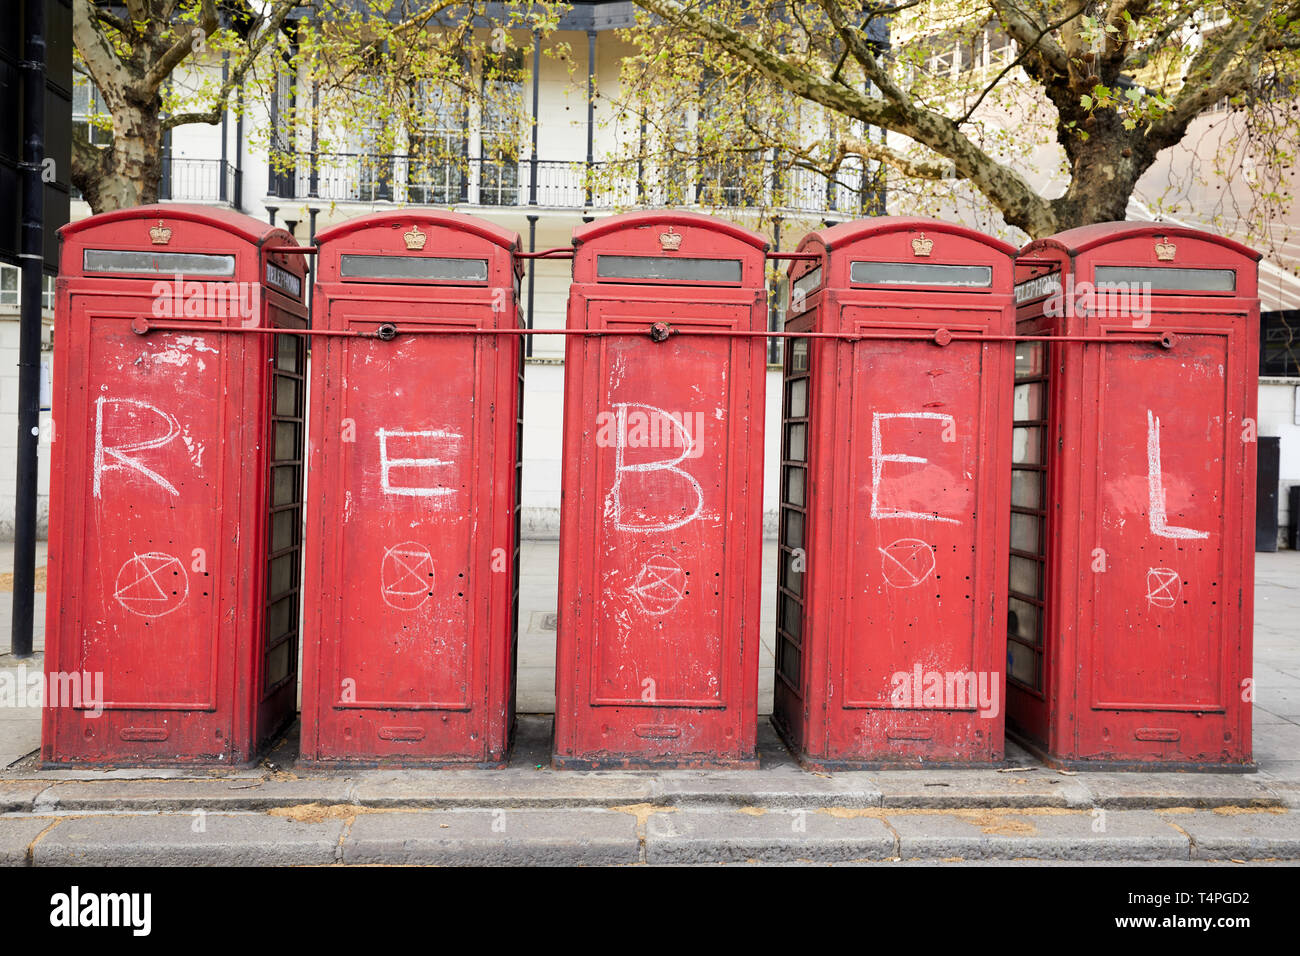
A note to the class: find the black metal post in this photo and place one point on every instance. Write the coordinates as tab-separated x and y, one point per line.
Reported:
225	116
532	278
29	331
591	107
774	311
532	177
312	212
165	185
239	147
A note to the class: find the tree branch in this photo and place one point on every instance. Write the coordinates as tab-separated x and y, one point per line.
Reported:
257	43
106	69
1020	59
182	46
1019	203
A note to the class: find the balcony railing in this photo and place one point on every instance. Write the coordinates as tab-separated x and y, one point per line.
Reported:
201	180
402	179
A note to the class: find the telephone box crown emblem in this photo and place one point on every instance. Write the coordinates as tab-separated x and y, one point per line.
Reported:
921	246
415	239
1165	250
670	241
160	235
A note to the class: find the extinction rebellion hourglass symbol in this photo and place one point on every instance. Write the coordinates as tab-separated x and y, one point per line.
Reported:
406	577
151	584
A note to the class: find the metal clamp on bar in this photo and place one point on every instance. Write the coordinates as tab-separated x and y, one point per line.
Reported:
660	331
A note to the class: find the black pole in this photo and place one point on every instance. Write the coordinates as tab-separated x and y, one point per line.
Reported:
239	147
774	320
312	212
591	107
532	179
29	330
222	193
532	277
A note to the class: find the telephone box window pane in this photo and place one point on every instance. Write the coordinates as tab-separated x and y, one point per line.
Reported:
284	529
1169	280
1029	359
1027	489
286	397
793	579
921	273
796	442
1023	663
789	663
286	442
282	573
413	267
1025	532
1027	405
798	355
794	478
281	617
286	347
170	263
793	621
284	485
798	397
1024	576
277	664
669	268
793	530
1023	621
1027	446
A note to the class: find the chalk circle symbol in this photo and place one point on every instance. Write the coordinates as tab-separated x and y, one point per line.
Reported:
151	584
406	576
906	562
1163	587
660	585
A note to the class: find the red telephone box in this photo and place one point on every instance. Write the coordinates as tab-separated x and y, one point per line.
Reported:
1132	505
661	525
176	488
412	552
894	489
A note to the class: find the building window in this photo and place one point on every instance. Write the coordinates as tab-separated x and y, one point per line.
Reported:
1279	344
437	166
502	94
11	284
90	117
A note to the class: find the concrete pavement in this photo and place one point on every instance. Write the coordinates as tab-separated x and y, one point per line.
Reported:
527	813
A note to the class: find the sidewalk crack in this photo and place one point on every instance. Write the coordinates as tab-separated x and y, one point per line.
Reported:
31	847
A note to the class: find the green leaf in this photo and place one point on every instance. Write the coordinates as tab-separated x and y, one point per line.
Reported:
1085	101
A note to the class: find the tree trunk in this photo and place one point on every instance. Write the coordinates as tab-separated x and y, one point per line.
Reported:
127	173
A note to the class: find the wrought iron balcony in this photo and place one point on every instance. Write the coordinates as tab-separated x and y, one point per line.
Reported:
403	179
200	180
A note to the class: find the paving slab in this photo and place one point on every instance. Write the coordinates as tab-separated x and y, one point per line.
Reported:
784	786
494	838
19	795
1241	836
1025	834
16	835
724	835
1034	786
1152	790
236	839
210	794
437	789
